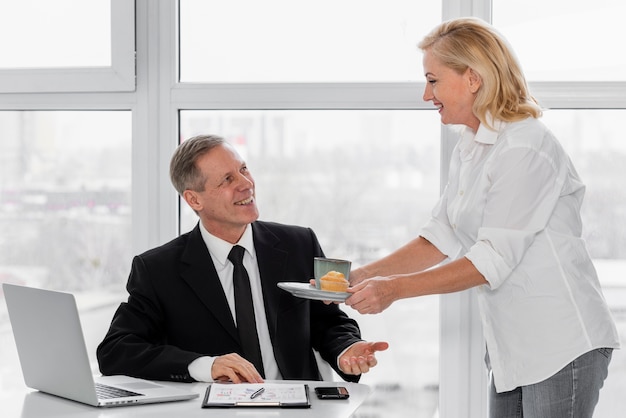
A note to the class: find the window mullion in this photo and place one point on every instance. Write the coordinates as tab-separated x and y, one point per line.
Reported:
580	95
301	96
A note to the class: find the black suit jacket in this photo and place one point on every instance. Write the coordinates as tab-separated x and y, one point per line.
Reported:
177	311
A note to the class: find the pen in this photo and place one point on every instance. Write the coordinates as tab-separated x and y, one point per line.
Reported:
257	393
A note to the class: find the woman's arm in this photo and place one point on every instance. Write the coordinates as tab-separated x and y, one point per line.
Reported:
415	256
378	293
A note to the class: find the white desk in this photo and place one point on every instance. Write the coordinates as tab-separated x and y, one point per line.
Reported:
34	404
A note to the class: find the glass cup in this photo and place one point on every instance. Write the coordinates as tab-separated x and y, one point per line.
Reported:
322	265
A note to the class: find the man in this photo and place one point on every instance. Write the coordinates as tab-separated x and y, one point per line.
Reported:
181	319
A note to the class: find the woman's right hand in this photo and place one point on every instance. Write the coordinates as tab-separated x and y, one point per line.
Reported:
372	295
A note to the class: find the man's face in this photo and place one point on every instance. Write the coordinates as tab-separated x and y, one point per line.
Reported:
227	203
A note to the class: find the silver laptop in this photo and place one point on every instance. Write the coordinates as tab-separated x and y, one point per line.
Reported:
53	355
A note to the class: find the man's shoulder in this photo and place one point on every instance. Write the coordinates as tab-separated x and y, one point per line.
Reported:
280	228
175	246
284	236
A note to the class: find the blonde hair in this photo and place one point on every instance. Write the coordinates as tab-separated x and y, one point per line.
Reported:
472	43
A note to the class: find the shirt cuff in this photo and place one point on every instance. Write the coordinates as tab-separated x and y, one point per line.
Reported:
200	369
442	237
342	353
489	263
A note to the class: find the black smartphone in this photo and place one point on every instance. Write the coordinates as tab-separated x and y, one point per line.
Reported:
339	392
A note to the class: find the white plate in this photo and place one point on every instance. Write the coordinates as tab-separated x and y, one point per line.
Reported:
307	291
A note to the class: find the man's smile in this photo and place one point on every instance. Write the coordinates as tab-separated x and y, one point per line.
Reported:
245	201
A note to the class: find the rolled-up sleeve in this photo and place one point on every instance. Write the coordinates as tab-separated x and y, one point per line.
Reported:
489	263
440	233
500	195
524	188
442	237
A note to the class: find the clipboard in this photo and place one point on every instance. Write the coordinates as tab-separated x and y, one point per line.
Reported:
263	395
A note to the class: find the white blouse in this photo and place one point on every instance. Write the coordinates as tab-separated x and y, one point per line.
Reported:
512	207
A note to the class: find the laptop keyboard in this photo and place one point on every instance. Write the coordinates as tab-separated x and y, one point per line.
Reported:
110	392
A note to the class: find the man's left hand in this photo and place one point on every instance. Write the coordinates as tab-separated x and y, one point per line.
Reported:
360	357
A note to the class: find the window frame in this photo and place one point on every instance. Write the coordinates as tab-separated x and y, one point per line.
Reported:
120	76
156	98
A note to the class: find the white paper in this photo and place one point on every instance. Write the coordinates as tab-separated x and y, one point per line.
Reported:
233	394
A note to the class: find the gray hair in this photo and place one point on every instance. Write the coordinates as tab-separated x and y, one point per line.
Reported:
184	173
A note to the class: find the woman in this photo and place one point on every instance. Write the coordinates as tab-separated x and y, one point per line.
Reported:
509	223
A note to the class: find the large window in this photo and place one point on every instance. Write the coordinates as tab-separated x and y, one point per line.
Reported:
65	199
65	209
570	40
67	46
318	41
323	99
365	181
55	43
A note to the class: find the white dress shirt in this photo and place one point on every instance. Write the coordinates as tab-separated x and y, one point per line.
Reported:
512	207
219	250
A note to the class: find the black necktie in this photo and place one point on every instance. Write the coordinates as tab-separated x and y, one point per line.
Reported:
244	309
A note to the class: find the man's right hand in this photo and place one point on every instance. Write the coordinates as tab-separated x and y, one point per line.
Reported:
234	368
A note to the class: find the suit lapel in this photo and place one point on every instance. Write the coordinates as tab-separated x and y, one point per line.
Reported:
198	271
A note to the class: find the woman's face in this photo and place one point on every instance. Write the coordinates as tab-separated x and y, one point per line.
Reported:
452	93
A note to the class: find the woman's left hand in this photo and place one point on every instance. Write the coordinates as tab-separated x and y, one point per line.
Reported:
372	295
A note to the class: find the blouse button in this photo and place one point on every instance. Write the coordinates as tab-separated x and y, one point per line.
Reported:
461	192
